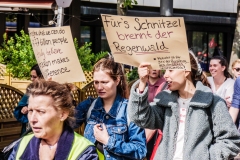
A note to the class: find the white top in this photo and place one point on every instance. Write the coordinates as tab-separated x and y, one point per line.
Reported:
225	90
183	107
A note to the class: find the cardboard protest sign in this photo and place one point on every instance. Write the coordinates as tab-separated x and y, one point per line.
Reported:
160	41
56	55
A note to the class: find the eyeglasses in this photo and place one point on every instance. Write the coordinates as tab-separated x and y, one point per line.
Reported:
237	69
34	77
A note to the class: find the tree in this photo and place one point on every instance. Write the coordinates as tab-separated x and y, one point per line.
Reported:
17	54
86	57
122	6
235	54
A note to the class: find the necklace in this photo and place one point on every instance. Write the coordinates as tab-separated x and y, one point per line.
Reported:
184	101
50	146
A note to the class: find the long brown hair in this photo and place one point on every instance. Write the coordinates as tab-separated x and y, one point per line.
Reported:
114	70
196	71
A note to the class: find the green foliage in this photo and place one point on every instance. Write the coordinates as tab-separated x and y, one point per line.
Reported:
11	18
86	57
132	75
128	3
17	54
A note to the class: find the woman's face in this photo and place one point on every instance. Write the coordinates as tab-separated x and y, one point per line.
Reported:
154	73
33	75
46	121
216	68
176	79
236	70
105	86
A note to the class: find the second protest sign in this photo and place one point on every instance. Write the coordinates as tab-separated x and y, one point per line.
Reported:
55	53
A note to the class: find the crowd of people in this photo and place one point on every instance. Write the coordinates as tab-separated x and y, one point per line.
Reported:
167	115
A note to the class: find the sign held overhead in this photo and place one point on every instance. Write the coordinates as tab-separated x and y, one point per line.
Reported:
161	41
56	55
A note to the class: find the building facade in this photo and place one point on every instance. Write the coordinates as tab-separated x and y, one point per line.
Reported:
209	24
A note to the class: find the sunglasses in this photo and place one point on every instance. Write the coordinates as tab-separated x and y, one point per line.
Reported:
31	76
237	69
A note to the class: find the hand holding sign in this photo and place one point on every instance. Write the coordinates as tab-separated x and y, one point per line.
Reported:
160	41
143	73
56	55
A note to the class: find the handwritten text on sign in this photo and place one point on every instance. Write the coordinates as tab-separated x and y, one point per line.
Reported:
161	41
55	53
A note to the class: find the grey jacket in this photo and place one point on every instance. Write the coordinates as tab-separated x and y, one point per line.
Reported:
199	143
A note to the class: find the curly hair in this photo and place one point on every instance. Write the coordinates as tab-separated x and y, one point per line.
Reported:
60	93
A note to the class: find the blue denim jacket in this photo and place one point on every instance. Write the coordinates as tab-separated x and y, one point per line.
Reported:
236	94
127	140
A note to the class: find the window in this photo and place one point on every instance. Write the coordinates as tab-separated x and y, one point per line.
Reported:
85	34
204	45
104	42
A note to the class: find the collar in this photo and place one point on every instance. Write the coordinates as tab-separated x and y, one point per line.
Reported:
158	82
63	148
202	97
115	107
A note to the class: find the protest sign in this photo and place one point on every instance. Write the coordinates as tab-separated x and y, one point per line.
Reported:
56	55
160	41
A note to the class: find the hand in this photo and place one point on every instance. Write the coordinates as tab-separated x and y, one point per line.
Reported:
24	110
143	72
49	78
228	101
100	133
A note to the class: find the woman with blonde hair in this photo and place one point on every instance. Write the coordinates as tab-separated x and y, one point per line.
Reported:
236	68
51	117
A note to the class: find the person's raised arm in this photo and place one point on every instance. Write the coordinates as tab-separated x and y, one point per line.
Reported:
82	110
235	105
139	110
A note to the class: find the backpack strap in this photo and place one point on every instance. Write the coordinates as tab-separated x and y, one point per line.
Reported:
90	108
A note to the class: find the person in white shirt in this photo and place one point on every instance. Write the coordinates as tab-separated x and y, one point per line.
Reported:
221	81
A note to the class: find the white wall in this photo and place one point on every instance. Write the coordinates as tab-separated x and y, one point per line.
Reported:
228	6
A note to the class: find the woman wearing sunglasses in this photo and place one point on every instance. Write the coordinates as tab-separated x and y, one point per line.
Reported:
234	109
236	68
